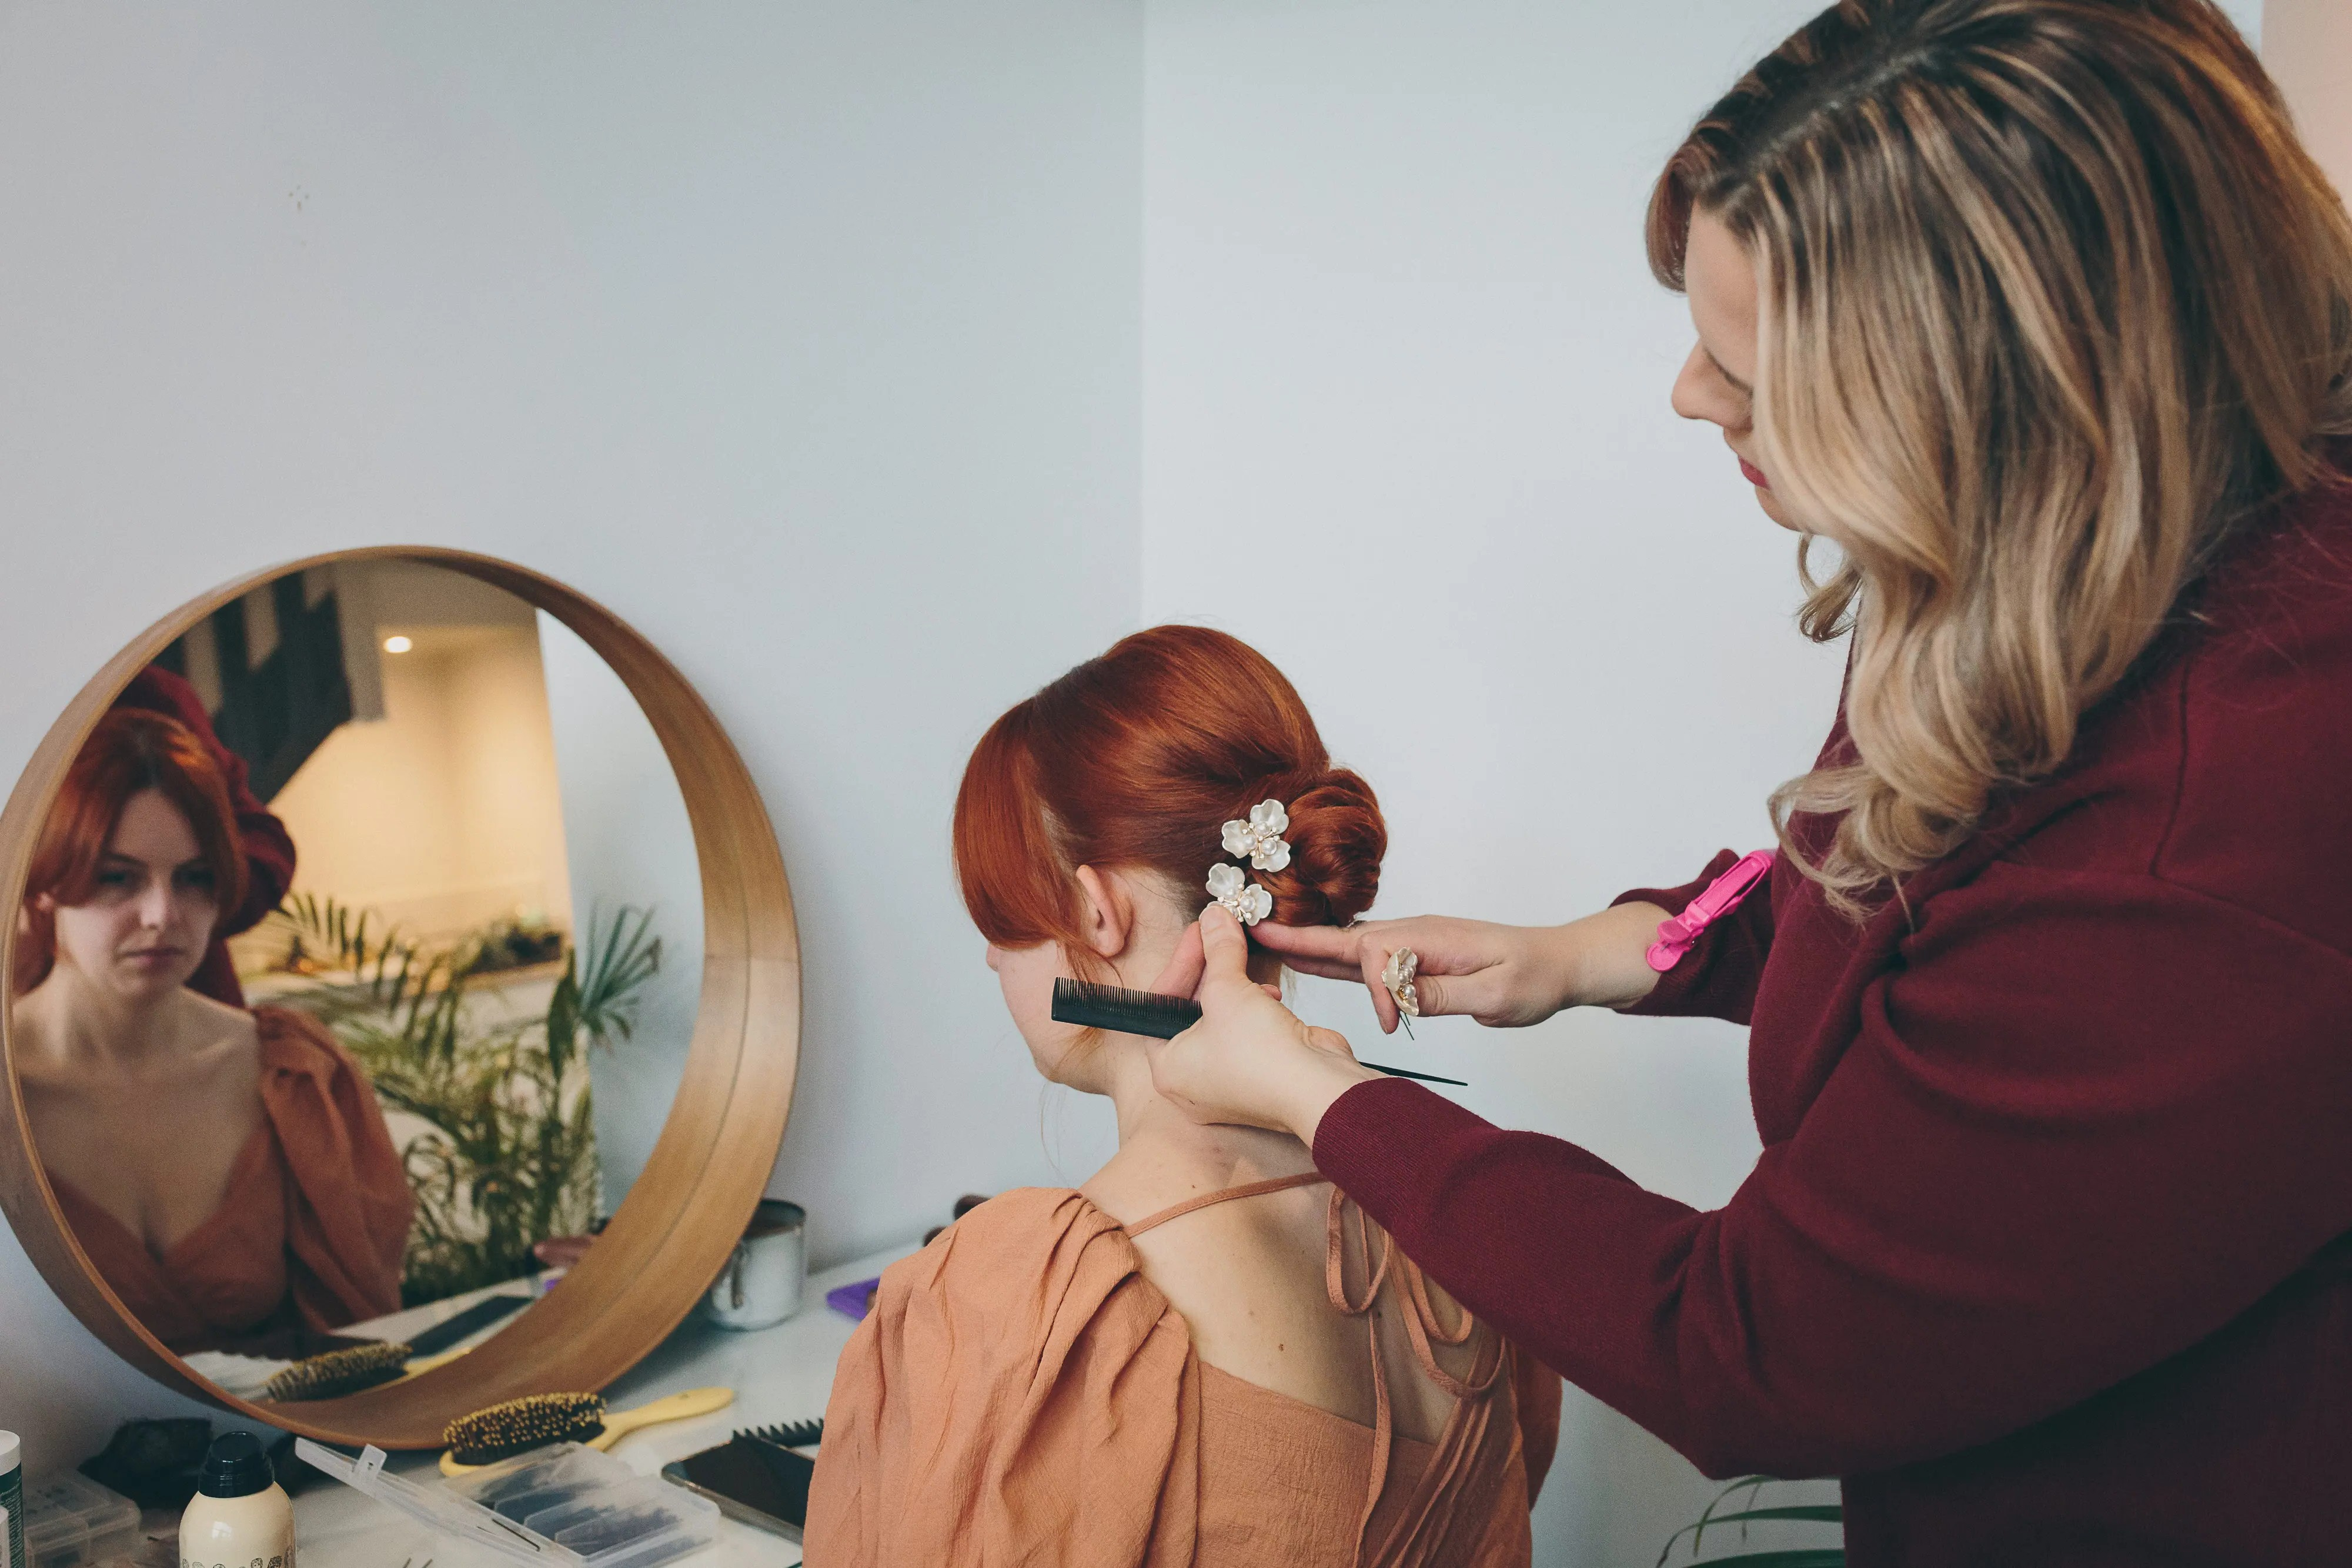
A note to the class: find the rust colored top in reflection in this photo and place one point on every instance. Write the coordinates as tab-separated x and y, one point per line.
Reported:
310	1230
1022	1393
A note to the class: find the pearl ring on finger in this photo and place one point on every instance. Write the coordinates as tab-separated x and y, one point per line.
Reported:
1398	976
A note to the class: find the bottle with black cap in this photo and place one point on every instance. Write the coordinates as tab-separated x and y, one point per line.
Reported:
240	1515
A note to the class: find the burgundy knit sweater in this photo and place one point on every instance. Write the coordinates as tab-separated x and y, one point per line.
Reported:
2049	1253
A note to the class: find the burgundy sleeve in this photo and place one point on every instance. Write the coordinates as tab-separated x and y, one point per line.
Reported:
2086	1121
268	849
1717	977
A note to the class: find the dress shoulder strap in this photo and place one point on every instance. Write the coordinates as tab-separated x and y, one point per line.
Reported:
1224	1194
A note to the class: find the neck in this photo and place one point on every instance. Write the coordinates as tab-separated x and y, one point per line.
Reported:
75	1023
1150	1127
1152	1132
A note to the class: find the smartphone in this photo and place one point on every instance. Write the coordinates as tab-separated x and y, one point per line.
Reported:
760	1484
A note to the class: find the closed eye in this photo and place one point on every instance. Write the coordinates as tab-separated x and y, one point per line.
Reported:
1742	388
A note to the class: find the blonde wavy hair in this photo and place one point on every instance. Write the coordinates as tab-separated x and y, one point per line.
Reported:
2052	300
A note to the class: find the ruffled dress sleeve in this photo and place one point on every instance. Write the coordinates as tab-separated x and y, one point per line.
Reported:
348	1202
1020	1393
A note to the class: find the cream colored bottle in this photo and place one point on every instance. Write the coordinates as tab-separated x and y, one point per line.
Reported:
240	1516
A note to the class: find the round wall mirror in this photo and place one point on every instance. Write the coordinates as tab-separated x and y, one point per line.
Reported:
401	956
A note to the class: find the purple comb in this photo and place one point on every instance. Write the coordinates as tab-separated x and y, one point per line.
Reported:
853	1301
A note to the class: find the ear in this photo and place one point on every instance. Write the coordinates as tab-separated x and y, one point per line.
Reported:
1109	911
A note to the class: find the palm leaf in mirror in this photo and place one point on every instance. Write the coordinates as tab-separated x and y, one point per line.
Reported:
510	1159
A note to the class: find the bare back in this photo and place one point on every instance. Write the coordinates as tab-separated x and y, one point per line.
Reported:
1250	1277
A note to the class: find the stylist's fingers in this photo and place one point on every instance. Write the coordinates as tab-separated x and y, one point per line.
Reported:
1225	988
1371	960
1240	1063
1330	951
1181	978
1224	951
1333	944
1435	990
1483	995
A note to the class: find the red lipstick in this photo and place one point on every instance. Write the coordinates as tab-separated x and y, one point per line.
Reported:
1754	475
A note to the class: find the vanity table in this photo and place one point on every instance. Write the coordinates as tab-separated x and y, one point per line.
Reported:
782	1373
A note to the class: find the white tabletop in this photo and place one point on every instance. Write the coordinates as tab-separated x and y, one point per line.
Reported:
783	1374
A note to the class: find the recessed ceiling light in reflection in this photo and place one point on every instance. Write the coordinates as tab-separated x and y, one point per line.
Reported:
397	644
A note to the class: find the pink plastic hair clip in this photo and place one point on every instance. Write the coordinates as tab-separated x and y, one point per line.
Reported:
1678	933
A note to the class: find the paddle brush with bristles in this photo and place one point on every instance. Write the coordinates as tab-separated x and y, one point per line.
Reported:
519	1426
339	1372
335	1373
1161	1017
538	1420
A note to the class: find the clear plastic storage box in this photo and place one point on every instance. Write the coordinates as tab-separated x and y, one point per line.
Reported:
70	1520
565	1504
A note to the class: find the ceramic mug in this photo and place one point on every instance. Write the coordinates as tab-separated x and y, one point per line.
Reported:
760	1285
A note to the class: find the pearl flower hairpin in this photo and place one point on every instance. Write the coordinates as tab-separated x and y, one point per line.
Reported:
1248	903
1259	839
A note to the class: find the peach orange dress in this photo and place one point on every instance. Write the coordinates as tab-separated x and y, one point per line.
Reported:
1021	1394
311	1228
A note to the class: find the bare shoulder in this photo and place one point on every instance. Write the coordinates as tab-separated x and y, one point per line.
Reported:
232	1030
219	1045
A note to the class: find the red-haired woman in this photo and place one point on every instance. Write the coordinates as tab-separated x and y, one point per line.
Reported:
1202	1356
227	1171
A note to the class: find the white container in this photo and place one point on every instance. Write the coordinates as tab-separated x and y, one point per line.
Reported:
12	1502
70	1520
560	1507
240	1516
762	1284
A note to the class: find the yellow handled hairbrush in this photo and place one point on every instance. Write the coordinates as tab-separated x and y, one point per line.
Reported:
538	1420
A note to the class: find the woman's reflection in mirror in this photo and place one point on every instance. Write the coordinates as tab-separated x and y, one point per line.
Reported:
268	849
226	1170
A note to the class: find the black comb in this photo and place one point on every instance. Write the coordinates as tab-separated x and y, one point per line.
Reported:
479	1316
786	1434
1123	1012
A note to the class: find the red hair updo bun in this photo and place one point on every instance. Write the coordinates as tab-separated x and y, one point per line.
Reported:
1139	758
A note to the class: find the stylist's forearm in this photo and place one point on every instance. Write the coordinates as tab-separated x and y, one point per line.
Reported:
1320	1083
1604	957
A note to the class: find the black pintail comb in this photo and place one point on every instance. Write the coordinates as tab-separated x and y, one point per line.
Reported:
1122	1011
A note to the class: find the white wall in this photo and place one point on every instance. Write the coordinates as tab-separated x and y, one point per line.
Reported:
631	845
1405	421
444	815
803	335
2307	44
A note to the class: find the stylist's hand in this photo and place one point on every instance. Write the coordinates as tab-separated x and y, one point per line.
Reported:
1250	1060
1505	976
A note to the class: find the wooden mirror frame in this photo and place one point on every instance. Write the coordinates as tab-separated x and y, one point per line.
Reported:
685	1211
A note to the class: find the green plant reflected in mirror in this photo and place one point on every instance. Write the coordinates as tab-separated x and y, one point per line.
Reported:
505	1162
355	972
